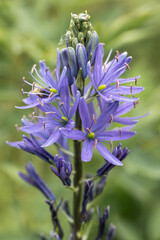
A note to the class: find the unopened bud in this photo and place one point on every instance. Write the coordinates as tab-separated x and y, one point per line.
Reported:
82	59
72	61
81	37
92	47
68	38
64	56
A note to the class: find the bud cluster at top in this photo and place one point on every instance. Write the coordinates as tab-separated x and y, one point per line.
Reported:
81	30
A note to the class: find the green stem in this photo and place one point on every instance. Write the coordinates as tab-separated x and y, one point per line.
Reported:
77	179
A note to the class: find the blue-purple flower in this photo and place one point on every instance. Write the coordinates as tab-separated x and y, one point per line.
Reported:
102	222
34	179
63	170
94	132
56	118
88	188
45	89
55	220
32	145
119	153
105	77
111	232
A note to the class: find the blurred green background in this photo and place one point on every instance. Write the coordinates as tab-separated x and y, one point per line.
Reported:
31	30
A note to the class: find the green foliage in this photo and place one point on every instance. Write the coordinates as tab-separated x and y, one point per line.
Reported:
31	30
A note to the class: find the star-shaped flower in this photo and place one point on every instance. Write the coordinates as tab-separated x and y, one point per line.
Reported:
105	77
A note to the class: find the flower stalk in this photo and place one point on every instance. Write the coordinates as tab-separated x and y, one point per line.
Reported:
78	175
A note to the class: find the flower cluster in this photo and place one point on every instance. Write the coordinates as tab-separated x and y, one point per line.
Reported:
82	100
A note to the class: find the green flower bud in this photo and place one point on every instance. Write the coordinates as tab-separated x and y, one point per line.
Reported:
81	37
74	43
79	27
68	38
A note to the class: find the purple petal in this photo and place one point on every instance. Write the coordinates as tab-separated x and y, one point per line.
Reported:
124	99
84	113
64	93
74	107
97	71
94	83
15	144
126	80
46	74
26	178
125	120
52	139
107	154
70	124
37	127
73	134
55	171
124	108
125	90
58	67
108	80
115	135
105	116
87	150
107	98
28	106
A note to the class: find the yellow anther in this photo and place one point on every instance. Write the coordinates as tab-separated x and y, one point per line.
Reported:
53	90
101	87
91	135
64	119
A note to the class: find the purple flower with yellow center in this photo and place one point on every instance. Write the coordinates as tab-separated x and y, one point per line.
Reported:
56	118
45	88
94	132
63	171
105	77
34	179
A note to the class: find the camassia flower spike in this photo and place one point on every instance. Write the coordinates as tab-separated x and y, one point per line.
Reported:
67	105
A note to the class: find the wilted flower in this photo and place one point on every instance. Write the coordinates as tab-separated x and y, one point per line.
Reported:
111	232
86	194
55	220
32	145
34	179
63	171
119	153
102	222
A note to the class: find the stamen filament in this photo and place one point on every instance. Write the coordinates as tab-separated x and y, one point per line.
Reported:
128	67
94	118
111	118
111	144
117	84
120	132
136	81
33	68
40	102
95	143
